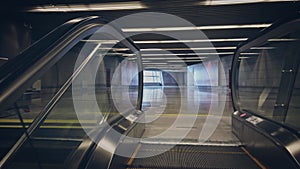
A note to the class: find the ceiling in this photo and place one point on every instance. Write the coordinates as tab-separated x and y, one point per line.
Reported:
200	13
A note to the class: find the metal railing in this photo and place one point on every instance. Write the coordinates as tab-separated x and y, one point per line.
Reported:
19	73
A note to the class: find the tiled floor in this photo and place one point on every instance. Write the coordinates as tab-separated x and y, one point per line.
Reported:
204	116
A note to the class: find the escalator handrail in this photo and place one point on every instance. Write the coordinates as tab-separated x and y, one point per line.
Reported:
79	157
279	28
90	28
20	72
67	35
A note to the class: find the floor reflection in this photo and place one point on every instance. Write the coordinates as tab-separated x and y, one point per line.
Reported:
209	109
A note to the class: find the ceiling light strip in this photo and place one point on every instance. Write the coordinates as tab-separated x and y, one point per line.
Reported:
236	2
4	58
174	58
154	63
208	27
91	7
186	54
190	41
181	61
282	40
101	41
204	48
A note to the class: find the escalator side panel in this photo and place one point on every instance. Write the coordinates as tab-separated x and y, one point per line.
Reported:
269	151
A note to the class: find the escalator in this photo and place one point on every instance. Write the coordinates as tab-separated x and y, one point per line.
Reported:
39	124
185	156
57	137
267	139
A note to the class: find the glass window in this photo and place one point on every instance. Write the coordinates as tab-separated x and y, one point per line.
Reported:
260	75
293	116
153	77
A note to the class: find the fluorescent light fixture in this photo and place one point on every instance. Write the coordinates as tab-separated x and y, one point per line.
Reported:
167	67
249	53
282	40
160	58
89	7
168	41
4	58
122	54
204	48
235	2
115	49
187	54
191	41
114	53
101	41
155	63
178	61
175	58
129	54
263	48
209	27
244	57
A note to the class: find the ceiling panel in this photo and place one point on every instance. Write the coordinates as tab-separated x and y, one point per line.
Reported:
256	13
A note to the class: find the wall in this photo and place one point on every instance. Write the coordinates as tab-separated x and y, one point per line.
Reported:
210	73
204	74
15	35
226	64
174	78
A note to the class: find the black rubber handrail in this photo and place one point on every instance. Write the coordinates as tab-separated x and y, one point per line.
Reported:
31	64
280	28
21	71
37	59
81	155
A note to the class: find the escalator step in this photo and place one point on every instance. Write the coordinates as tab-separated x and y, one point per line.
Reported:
194	157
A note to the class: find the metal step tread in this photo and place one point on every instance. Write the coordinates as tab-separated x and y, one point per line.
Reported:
193	157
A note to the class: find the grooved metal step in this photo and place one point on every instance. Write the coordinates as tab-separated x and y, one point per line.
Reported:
192	157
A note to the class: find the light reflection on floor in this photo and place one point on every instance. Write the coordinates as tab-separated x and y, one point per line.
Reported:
162	107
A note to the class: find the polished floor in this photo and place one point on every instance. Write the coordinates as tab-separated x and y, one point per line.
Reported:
173	109
172	114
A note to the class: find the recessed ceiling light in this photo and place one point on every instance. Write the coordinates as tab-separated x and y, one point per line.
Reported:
167	41
101	41
244	57
187	54
178	61
129	54
203	48
89	7
115	49
174	58
209	27
249	53
154	63
282	40
4	58
234	2
190	41
262	48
